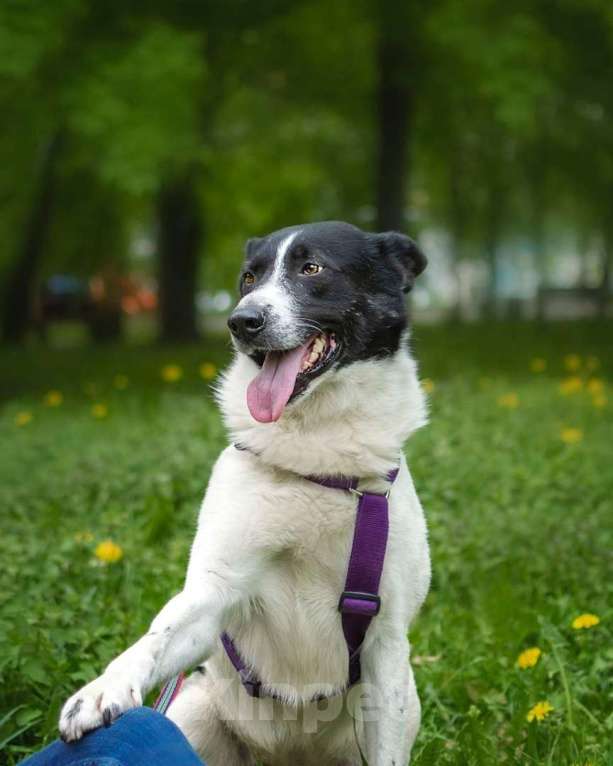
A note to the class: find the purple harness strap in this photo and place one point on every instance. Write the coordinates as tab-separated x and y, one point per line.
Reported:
359	602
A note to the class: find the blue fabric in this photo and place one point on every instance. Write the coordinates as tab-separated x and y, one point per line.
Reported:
141	737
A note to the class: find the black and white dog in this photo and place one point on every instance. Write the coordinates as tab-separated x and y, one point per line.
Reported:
322	384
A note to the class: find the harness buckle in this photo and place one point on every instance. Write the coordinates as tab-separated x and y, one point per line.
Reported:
359	492
251	684
356	602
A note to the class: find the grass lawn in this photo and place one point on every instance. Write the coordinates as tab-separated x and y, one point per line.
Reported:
515	473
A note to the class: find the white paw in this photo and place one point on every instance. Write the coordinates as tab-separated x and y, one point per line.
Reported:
97	704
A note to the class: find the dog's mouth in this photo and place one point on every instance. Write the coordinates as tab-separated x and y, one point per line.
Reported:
287	373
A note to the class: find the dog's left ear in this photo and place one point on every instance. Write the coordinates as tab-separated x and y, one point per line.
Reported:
404	253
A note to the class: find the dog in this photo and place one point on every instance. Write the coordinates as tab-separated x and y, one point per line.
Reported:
322	384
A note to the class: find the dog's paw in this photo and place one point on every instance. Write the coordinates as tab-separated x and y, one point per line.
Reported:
97	704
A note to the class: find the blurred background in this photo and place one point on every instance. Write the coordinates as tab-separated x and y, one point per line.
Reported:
143	142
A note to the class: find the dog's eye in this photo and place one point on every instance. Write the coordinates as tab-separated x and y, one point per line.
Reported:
248	278
310	269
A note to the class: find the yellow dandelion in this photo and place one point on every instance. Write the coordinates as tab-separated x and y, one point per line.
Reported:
572	362
53	398
121	382
529	657
595	386
540	711
592	363
585	621
208	370
108	552
171	373
571	385
571	435
83	537
599	401
23	418
510	401
428	385
100	411
538	364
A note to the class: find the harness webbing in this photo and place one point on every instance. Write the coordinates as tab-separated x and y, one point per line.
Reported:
359	602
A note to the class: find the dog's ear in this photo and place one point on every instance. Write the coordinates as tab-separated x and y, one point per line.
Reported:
252	245
404	253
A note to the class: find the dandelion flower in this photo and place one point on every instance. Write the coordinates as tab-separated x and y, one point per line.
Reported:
510	401
538	364
571	435
599	401
571	385
53	398
100	411
595	386
23	418
108	552
208	370
529	657
428	385
540	711
585	621
171	373
120	382
572	362
592	363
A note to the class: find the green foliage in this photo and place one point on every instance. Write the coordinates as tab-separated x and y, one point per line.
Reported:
519	528
275	104
138	107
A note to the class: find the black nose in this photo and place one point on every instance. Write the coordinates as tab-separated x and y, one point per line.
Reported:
247	322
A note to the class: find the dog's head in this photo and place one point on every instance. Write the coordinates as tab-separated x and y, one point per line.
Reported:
314	299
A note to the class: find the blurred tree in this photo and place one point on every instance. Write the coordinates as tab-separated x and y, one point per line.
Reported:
20	280
585	148
400	54
32	54
180	233
491	92
139	111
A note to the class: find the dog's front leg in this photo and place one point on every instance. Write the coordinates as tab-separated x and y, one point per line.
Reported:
392	710
222	574
182	635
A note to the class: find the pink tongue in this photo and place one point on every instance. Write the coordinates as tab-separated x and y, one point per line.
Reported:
270	390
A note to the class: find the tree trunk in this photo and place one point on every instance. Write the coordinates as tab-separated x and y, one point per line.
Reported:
21	281
395	104
540	258
458	215
537	161
179	240
605	279
492	242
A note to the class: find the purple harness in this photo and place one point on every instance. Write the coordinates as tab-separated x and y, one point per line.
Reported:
359	602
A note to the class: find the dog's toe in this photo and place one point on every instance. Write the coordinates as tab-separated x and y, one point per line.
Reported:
97	704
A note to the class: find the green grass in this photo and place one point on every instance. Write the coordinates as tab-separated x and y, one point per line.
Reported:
520	527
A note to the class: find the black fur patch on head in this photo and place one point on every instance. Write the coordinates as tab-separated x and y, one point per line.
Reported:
358	294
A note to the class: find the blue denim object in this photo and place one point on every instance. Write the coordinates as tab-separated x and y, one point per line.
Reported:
141	737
